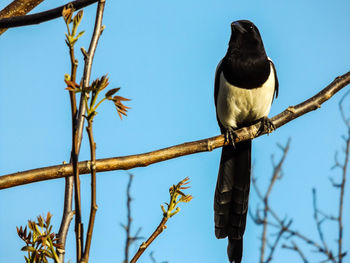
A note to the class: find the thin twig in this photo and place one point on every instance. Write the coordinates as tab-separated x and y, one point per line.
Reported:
141	160
296	248
152	257
286	227
176	196
68	195
79	123
317	220
129	239
343	180
277	170
94	207
307	240
42	16
129	219
146	244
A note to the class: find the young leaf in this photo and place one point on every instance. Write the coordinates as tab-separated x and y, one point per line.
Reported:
80	34
67	13
28	249
76	21
111	92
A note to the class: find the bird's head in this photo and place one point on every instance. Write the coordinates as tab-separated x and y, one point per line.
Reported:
245	36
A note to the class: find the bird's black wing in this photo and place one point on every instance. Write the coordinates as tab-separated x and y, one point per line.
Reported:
276	79
216	91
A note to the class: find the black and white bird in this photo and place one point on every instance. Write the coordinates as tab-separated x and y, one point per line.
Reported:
245	85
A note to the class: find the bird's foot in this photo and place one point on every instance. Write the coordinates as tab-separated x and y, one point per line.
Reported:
267	126
230	136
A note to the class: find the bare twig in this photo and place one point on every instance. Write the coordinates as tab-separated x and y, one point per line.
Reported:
42	16
281	224
317	220
154	235
153	258
275	244
277	170
344	167
79	123
68	195
296	248
286	228
18	8
129	238
129	219
176	196
94	207
141	160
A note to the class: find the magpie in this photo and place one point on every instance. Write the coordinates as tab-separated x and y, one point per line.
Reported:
245	85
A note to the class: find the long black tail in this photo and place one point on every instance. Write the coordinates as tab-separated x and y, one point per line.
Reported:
231	197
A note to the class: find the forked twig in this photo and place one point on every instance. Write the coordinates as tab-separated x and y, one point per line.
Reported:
277	174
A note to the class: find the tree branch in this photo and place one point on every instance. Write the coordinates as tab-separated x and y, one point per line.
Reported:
141	160
276	174
129	238
42	16
18	8
69	181
318	222
285	228
94	207
344	168
176	197
277	170
296	248
79	124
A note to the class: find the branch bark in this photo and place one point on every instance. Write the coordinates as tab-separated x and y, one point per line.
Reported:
79	124
145	159
93	207
69	181
42	16
146	244
18	8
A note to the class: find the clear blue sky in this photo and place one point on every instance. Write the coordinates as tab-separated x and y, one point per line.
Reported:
163	54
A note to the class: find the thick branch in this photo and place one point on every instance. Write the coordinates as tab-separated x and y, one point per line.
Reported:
141	160
18	8
42	16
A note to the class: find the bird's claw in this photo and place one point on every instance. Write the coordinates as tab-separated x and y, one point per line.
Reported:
267	126
230	136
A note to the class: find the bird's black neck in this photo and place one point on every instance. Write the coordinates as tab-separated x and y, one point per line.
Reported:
246	69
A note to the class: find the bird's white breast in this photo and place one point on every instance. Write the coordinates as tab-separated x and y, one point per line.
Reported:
237	105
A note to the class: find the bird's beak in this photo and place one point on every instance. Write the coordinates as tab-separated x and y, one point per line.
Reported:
236	26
